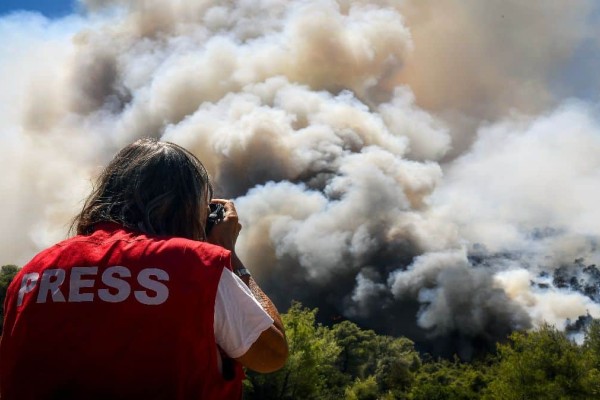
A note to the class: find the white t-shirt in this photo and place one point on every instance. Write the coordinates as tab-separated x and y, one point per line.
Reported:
239	317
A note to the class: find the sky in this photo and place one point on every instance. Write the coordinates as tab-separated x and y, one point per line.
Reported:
49	8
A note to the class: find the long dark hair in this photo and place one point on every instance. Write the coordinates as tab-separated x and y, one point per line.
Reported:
149	186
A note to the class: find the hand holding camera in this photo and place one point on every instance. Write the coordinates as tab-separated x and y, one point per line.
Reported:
222	225
215	215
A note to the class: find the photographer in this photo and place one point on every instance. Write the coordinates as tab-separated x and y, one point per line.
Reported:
142	303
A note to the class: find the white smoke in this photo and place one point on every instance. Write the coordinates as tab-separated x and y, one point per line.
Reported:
412	165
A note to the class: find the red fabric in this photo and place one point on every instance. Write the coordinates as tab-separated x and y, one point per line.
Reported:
127	348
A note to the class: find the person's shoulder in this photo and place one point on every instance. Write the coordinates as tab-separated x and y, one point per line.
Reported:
184	244
40	259
57	247
193	250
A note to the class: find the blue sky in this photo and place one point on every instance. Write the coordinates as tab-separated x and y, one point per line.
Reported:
50	8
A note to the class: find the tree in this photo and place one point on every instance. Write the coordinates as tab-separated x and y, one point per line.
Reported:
310	371
591	350
358	349
363	389
7	273
397	361
591	344
543	364
446	380
367	357
343	361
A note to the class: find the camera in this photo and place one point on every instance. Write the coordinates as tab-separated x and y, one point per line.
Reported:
216	214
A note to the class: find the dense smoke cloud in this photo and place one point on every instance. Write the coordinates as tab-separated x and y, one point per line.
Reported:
410	165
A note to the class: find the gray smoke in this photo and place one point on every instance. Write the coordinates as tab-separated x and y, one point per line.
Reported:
423	168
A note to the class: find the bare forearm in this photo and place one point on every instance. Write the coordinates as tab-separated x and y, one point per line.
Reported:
270	351
262	298
266	303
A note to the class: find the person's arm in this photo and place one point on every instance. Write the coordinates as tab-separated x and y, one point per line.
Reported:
270	351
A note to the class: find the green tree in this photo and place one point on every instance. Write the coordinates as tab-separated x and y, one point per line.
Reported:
446	380
358	356
363	389
543	364
591	350
310	372
7	273
397	361
343	361
391	362
591	344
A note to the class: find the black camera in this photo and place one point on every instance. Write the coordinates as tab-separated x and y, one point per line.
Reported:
216	214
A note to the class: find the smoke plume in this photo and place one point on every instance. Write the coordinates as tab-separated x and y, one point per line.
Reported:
427	169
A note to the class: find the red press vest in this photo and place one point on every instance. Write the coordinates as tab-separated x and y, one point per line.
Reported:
116	315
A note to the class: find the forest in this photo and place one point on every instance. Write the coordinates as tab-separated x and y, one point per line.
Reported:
345	361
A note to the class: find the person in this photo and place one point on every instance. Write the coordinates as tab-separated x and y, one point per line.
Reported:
142	302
